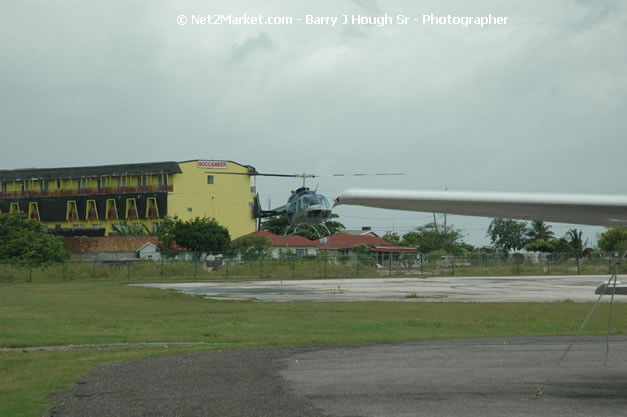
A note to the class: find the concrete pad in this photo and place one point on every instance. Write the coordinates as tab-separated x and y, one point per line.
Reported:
579	288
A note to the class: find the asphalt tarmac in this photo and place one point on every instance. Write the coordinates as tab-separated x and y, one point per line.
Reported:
481	377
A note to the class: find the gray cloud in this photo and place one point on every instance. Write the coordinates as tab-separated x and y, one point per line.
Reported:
250	45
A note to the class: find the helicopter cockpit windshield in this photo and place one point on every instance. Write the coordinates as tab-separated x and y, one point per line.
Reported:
309	200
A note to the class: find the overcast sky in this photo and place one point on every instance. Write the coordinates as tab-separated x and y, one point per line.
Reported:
538	104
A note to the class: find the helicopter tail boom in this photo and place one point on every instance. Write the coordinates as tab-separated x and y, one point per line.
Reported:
258	213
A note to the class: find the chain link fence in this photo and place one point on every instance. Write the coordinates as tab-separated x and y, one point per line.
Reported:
189	266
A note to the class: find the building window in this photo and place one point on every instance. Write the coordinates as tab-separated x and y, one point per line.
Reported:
92	210
131	209
71	211
58	184
4	188
33	211
210	179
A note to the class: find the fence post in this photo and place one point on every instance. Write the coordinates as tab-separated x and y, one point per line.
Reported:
260	267
227	268
128	270
453	265
517	265
161	267
293	268
195	269
326	260
578	272
548	265
485	262
357	267
390	256
422	263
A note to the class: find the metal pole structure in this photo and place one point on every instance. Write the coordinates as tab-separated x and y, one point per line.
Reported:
453	265
195	269
518	265
161	267
390	256
260	268
227	268
326	259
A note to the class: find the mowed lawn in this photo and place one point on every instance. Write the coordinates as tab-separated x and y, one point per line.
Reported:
74	313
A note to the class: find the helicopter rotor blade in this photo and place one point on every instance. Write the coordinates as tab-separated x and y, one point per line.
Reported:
364	175
259	174
304	175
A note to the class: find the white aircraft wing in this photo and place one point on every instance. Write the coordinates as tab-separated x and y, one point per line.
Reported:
601	210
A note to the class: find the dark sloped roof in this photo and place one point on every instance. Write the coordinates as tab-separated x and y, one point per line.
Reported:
90	171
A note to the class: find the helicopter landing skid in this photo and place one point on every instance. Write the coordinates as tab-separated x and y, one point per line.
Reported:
310	225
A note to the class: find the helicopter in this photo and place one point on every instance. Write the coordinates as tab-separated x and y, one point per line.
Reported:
304	207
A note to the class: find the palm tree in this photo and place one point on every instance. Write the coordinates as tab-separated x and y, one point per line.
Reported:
576	242
538	230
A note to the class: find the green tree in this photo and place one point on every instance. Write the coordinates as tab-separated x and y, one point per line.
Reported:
279	224
392	238
251	247
539	230
430	237
198	235
26	241
546	246
576	243
362	250
507	234
613	240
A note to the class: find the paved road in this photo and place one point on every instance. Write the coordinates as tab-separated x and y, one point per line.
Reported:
488	289
483	377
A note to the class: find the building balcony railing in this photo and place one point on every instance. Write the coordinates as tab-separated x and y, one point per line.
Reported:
89	191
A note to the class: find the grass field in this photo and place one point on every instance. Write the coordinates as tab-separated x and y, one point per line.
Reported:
88	312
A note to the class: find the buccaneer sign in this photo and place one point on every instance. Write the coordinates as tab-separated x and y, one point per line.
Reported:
213	164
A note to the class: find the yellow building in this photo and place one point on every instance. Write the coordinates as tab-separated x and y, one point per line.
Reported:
98	197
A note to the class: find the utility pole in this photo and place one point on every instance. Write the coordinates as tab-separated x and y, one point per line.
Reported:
445	189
